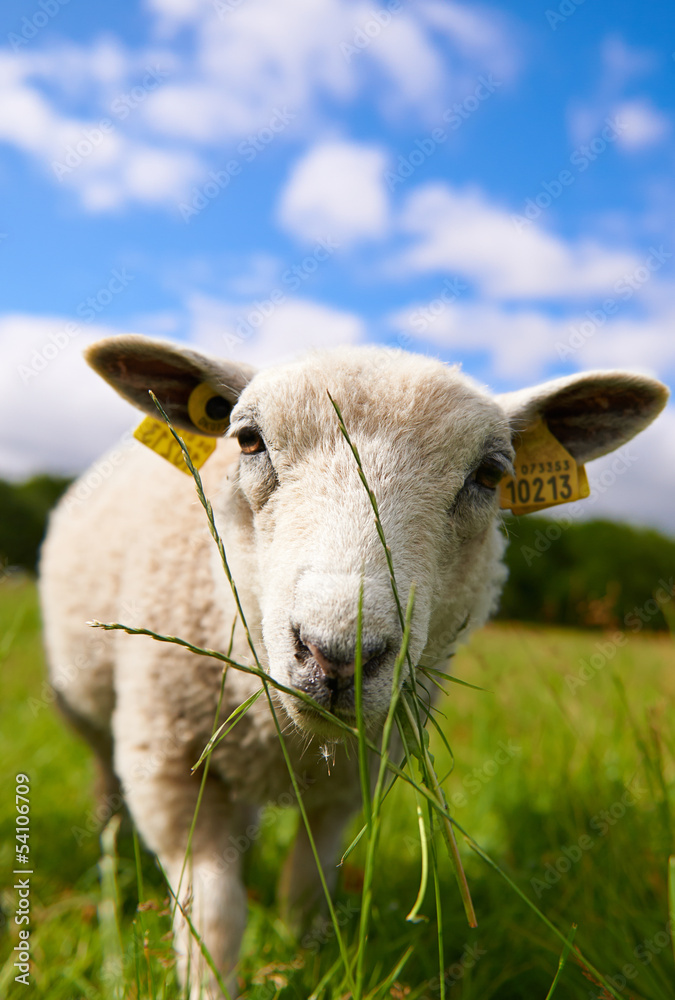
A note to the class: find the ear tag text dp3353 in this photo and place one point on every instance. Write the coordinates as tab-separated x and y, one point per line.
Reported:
546	474
208	410
157	436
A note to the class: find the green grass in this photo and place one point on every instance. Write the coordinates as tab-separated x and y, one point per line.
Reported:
570	755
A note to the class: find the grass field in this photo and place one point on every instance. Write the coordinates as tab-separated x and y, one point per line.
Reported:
564	774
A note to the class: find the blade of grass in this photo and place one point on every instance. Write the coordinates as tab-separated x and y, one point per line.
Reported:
412	916
264	676
382	988
364	772
430	775
201	785
197	937
323	982
439	912
671	899
563	959
451	841
212	524
108	911
221	732
368	875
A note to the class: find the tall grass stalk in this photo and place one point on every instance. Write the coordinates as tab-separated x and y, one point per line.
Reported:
223	556
108	912
368	875
561	962
429	775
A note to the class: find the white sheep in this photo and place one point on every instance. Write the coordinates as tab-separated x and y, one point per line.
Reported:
300	537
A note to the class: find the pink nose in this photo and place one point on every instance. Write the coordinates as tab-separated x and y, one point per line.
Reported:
330	668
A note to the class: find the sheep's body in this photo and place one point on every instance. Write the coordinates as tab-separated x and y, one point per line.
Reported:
300	536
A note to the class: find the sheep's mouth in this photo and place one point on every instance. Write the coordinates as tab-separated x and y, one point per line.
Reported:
331	695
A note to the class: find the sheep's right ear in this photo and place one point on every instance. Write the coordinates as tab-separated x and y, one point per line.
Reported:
591	413
132	365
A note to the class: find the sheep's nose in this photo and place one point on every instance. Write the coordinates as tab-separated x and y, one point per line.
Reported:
331	665
336	661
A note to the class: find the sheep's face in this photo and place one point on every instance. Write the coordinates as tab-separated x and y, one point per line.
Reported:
433	448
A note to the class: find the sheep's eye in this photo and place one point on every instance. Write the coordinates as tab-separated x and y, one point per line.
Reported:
250	441
489	474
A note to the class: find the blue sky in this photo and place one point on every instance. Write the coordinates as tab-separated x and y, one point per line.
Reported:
490	184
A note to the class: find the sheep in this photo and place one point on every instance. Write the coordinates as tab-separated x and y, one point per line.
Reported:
301	541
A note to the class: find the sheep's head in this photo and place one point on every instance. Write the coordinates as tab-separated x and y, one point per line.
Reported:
433	446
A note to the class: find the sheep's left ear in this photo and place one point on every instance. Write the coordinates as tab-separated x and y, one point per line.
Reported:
590	414
196	390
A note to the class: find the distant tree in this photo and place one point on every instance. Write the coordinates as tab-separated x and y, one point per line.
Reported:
596	573
23	517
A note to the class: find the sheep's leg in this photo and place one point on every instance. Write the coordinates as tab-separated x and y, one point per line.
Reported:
162	804
300	886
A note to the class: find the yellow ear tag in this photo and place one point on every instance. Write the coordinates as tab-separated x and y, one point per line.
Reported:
157	436
546	474
212	417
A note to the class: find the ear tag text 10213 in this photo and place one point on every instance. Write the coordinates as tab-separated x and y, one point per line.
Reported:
546	474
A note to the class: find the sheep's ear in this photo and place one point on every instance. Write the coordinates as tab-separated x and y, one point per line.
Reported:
590	414
132	365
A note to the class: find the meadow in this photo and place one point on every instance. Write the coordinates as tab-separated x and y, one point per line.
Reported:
564	773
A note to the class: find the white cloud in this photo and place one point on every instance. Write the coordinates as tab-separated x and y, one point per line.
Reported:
643	125
620	65
515	347
337	190
95	158
645	345
243	60
462	232
525	345
271	334
56	415
478	32
641	492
